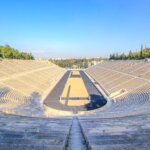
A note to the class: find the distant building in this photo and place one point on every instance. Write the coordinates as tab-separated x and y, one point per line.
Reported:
74	67
147	60
96	62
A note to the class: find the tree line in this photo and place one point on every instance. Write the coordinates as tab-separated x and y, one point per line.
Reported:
74	63
141	54
11	53
69	63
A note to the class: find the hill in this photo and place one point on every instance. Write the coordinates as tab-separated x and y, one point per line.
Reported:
11	53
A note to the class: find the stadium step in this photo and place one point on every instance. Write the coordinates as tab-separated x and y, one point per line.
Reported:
4	146
122	147
76	139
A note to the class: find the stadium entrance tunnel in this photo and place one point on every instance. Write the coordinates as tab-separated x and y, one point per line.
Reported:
75	92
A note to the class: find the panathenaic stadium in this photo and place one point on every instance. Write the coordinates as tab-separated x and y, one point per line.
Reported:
46	107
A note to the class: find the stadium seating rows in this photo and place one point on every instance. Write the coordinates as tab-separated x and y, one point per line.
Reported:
130	132
128	91
123	123
26	82
24	133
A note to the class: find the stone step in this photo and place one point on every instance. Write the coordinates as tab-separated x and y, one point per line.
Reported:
29	136
118	141
121	147
76	139
38	133
56	141
29	147
118	137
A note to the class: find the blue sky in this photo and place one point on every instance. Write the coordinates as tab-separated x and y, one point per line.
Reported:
75	28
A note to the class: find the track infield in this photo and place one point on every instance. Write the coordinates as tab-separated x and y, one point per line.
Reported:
75	92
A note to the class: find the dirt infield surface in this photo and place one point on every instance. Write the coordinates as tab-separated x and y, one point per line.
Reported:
75	90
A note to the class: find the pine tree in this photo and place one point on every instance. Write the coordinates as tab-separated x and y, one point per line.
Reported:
141	52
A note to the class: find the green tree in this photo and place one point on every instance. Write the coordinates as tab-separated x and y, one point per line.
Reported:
11	53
